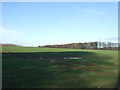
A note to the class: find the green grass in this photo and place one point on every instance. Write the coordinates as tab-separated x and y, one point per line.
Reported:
23	68
32	49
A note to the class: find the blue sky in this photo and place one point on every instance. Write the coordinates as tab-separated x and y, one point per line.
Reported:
39	23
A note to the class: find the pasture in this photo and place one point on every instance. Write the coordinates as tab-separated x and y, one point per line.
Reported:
35	67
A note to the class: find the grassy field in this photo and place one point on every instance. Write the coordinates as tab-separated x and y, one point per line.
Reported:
34	67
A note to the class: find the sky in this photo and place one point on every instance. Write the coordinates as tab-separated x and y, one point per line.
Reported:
43	23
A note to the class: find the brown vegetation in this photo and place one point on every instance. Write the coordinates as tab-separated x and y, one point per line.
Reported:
8	45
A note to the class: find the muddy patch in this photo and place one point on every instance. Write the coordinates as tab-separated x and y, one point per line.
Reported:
72	58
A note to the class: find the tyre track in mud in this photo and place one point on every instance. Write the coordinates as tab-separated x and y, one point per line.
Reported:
83	68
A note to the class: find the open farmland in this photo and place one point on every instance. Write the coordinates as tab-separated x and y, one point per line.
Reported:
34	67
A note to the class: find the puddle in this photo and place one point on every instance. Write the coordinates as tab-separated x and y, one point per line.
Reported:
59	59
72	57
49	59
52	60
41	58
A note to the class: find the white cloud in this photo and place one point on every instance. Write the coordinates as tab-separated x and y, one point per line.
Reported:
111	38
15	37
91	11
6	31
9	35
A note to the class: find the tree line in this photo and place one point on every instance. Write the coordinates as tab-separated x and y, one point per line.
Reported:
87	45
8	44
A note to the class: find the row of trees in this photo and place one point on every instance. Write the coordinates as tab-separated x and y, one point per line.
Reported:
8	44
88	45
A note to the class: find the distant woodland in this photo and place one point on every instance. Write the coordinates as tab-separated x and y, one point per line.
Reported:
8	45
87	45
